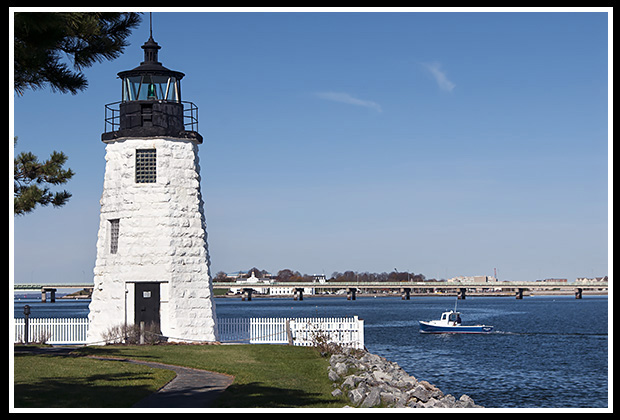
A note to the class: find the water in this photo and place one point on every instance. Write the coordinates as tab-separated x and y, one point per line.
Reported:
62	308
546	351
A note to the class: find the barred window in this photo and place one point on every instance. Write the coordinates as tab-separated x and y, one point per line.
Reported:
146	168
114	227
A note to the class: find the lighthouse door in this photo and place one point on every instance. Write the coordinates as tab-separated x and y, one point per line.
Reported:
147	303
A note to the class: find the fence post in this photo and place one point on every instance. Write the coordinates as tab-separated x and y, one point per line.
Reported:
26	322
360	333
141	332
289	334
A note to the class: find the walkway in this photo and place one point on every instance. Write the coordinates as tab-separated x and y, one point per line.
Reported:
191	388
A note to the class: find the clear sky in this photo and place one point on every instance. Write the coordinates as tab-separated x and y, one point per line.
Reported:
437	143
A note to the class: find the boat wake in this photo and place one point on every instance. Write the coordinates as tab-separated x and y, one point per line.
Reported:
552	333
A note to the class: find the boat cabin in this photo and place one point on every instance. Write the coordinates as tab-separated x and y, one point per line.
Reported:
451	318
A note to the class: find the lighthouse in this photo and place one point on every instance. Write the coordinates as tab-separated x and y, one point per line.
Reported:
152	263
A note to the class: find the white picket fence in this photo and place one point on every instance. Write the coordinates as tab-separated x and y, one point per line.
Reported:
347	332
52	330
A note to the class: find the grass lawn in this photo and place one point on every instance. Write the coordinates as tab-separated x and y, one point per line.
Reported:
65	381
265	375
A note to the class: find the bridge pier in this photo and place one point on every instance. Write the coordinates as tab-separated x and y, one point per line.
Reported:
351	291
298	294
462	293
247	294
519	294
405	293
44	291
578	293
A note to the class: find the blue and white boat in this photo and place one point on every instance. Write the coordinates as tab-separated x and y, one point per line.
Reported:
450	322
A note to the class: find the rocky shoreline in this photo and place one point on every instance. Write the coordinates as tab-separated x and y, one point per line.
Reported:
369	380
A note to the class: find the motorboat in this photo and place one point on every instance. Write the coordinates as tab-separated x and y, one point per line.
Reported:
450	322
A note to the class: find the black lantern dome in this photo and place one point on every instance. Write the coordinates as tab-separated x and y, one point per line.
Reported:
151	103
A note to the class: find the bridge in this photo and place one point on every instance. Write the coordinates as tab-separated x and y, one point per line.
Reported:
51	289
405	287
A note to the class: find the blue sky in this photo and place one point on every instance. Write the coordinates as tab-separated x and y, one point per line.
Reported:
439	143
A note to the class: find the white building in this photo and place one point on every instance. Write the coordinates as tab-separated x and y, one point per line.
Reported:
286	290
592	280
152	261
473	279
243	283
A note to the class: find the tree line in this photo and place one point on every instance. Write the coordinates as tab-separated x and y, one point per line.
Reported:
349	276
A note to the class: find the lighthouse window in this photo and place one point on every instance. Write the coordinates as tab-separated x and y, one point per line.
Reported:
114	236
147	87
146	168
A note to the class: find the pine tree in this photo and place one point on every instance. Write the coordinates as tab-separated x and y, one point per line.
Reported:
30	179
43	40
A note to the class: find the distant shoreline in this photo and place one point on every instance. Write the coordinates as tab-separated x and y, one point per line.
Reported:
397	295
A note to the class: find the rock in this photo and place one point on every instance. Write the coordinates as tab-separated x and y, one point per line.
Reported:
448	400
341	368
434	392
381	376
466	402
333	376
421	393
336	358
363	388
355	396
406	383
387	398
433	403
336	392
372	399
352	381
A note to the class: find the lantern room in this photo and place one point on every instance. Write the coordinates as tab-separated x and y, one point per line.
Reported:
151	104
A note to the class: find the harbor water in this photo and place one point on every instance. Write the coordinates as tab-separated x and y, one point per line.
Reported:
546	351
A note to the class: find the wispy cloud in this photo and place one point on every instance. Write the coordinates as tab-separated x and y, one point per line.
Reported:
440	76
345	98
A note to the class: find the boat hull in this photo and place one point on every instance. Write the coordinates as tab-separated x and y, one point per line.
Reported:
427	327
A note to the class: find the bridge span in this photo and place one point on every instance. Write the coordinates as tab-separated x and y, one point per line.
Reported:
51	289
352	288
406	288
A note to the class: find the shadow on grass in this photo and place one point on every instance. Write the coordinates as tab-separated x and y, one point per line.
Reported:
120	387
119	351
257	395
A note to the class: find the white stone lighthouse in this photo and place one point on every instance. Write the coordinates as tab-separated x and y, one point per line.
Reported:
152	256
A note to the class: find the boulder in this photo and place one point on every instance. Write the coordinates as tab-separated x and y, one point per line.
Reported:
373	398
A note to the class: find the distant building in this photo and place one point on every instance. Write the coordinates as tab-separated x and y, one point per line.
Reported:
251	280
287	290
473	279
268	281
242	273
593	280
319	278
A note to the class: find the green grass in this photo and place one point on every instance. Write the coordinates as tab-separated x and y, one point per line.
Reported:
265	375
65	381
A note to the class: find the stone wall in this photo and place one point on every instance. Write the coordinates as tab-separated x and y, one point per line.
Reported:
368	380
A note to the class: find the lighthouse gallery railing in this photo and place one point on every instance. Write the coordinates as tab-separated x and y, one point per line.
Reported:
112	116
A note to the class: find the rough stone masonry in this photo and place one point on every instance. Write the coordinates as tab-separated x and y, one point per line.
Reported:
369	380
158	233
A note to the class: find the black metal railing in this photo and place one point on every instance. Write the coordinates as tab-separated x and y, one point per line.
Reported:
113	116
